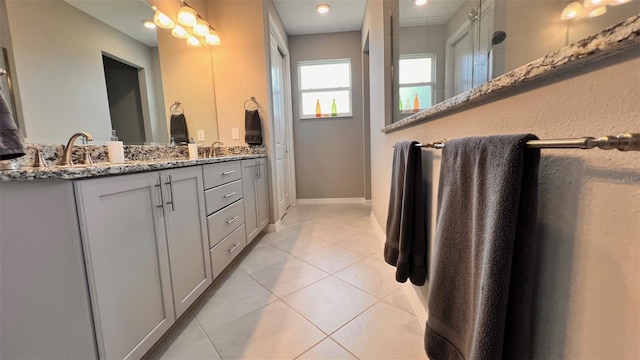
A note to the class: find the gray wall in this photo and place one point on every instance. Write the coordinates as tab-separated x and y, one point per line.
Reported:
587	297
427	39
329	151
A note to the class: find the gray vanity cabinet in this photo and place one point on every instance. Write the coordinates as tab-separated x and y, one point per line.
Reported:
125	246
187	238
146	250
256	208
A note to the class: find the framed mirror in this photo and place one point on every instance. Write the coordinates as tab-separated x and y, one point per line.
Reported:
442	48
68	54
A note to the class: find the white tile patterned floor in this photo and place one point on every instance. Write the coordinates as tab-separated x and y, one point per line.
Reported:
316	289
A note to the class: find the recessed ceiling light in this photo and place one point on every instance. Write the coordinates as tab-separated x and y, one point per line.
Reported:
148	24
420	2
323	8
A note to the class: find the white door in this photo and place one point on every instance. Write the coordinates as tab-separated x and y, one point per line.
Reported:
280	129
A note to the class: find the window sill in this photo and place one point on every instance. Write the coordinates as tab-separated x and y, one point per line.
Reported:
327	117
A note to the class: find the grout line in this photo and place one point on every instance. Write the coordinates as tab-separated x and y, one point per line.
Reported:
195	318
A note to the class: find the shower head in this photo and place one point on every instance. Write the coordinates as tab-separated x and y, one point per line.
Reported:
498	37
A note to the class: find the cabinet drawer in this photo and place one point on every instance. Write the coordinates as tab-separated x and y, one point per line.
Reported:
221	173
225	221
223	195
227	249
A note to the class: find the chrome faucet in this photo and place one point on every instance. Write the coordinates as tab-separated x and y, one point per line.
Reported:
212	149
66	155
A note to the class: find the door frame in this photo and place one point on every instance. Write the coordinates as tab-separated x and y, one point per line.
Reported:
288	111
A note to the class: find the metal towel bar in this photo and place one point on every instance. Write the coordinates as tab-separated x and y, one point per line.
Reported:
624	142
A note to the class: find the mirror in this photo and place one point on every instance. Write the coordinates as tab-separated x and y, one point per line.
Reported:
445	47
68	54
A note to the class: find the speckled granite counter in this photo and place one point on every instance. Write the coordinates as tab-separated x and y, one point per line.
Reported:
610	41
143	158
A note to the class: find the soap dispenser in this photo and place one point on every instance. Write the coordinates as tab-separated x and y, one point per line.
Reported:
115	149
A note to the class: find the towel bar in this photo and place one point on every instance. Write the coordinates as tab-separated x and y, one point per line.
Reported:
624	142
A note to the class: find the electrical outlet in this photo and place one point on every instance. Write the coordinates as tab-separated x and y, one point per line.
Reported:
200	135
235	135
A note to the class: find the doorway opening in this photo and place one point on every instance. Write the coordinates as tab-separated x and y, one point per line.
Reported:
125	101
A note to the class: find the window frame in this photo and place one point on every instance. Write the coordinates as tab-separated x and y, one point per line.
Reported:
432	83
301	91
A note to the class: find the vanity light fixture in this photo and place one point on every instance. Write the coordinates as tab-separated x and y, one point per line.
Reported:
187	16
588	9
597	12
162	20
193	27
179	32
593	3
572	11
323	8
201	28
420	2
193	41
213	38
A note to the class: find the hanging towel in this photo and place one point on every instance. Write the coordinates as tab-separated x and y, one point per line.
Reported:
252	127
481	282
11	140
179	130
406	243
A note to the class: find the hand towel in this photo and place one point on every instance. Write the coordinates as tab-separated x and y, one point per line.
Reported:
482	266
406	243
252	127
11	140
179	130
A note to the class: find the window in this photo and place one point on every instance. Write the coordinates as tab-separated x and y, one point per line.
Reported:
416	82
322	84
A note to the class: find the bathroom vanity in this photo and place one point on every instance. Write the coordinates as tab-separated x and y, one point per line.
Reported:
97	266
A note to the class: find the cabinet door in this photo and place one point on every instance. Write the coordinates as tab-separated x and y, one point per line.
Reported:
187	237
249	177
125	250
262	197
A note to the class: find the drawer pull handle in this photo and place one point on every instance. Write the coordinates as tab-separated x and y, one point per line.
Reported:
232	219
230	194
228	172
233	248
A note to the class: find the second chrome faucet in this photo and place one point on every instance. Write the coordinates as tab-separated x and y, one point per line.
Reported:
68	150
212	149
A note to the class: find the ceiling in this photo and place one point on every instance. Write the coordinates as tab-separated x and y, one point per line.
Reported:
125	16
299	17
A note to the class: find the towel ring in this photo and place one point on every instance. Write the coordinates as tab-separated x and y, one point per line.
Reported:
176	108
250	101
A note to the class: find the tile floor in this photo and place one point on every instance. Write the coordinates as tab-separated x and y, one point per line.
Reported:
316	289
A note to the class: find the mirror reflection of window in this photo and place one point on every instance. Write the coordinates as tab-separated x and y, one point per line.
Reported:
417	83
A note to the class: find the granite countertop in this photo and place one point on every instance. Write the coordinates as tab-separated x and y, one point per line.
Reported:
108	169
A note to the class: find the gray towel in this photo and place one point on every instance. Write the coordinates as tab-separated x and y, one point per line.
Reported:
481	282
179	131
252	127
11	141
406	243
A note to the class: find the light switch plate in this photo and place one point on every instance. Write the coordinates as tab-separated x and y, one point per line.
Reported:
235	135
200	135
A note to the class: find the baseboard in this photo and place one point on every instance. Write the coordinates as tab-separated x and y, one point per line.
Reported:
324	201
377	228
417	306
367	202
273	227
